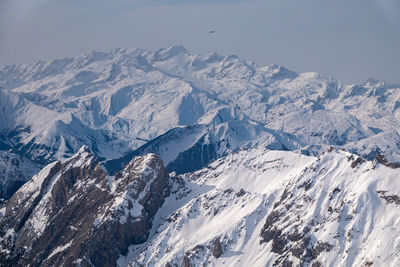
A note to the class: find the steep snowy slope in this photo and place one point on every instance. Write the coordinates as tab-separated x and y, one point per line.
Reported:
255	207
115	102
193	147
271	208
189	109
14	172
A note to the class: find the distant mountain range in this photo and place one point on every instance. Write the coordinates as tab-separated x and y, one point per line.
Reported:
246	148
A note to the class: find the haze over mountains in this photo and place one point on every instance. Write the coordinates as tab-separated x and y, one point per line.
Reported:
192	110
115	102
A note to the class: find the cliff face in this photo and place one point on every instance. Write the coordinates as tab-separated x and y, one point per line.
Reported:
74	213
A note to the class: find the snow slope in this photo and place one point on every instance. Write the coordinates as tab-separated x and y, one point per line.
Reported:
253	207
189	109
14	172
269	208
116	101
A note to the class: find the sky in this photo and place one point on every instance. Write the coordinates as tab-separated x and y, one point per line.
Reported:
350	40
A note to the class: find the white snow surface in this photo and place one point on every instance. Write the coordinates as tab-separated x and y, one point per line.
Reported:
59	249
341	204
115	101
15	169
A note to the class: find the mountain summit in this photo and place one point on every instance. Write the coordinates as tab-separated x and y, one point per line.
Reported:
127	101
165	158
73	213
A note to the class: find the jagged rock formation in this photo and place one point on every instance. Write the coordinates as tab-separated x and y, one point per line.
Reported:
73	213
217	250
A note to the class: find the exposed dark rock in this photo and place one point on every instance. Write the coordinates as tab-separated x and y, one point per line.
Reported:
390	199
299	249
381	159
269	230
240	193
357	161
73	206
320	247
283	197
306	185
298	241
279	242
228	191
195	158
217	250
283	263
296	235
334	193
186	262
316	264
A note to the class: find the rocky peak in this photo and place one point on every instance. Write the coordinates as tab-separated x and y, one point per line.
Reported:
73	212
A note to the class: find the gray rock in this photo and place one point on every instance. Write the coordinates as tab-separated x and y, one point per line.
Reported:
72	213
186	261
217	250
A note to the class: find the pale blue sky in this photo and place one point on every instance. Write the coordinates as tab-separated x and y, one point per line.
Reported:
350	40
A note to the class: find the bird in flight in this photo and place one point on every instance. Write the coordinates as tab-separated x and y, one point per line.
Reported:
211	31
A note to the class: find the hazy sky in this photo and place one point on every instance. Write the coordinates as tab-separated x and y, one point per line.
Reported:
350	40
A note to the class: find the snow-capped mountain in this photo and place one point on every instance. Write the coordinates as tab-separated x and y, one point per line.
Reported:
268	167
276	208
116	102
255	207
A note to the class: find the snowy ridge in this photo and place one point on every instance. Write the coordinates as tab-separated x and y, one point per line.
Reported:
278	208
115	102
269	167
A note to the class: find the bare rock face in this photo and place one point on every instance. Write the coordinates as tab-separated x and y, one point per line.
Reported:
186	262
73	213
217	250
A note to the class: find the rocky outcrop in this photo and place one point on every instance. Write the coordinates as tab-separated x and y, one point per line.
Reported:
73	213
381	159
186	262
217	250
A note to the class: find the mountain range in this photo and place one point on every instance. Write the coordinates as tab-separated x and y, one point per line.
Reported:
251	165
